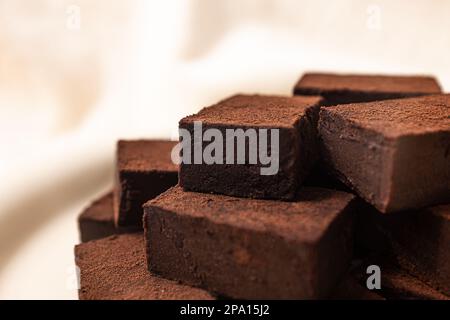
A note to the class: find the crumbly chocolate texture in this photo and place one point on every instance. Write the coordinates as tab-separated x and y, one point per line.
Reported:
347	88
144	170
97	220
251	249
294	118
114	268
419	241
395	153
396	282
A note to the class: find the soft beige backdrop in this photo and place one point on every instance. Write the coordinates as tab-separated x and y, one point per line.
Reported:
76	75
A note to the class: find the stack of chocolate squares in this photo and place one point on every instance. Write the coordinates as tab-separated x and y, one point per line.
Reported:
283	198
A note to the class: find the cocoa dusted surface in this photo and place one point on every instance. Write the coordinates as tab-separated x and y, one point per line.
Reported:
145	155
399	117
144	170
382	83
393	153
349	88
255	110
295	118
114	268
307	218
251	249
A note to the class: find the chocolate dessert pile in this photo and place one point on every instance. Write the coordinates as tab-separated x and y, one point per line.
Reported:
354	178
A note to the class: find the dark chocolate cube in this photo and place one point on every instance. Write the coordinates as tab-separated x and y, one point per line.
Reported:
144	170
393	153
97	220
293	119
251	249
352	88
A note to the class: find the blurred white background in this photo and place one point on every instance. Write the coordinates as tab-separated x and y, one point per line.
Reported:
77	75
